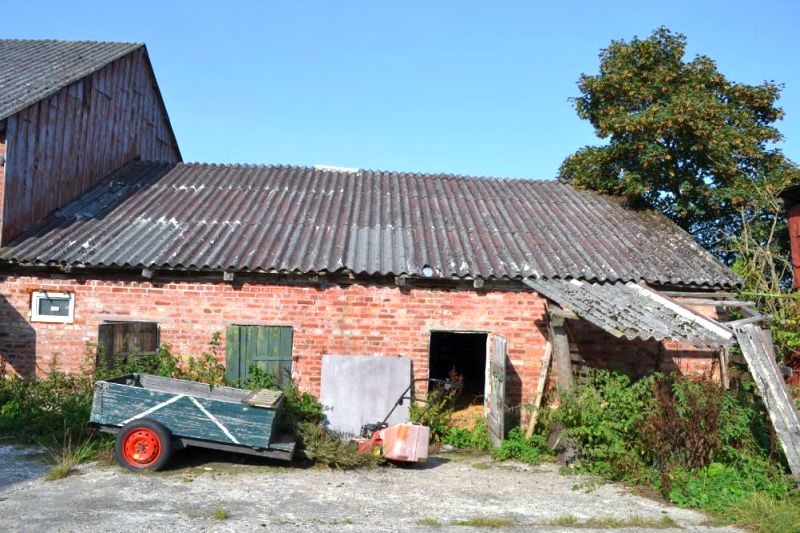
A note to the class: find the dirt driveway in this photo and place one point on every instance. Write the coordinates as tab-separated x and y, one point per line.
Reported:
454	492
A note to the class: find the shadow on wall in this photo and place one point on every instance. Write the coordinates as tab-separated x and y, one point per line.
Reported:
637	358
17	340
600	350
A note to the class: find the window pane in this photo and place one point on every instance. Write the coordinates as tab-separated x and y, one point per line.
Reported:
54	306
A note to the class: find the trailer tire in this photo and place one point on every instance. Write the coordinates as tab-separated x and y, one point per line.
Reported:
143	445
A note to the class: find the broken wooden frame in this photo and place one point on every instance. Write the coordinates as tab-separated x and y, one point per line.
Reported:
750	332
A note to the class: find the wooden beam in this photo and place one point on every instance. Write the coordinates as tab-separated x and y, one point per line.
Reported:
558	336
723	367
563	313
717	303
688	294
477	283
147	273
228	276
537	403
758	351
751	320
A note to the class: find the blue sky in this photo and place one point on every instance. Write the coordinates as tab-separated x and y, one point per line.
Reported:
477	88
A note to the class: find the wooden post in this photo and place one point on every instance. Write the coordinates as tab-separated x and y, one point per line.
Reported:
558	334
723	367
537	403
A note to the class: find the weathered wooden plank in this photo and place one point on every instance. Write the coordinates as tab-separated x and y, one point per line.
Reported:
537	402
287	334
497	396
757	349
63	145
232	353
251	348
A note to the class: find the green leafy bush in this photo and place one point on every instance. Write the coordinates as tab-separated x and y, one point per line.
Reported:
699	445
46	410
258	378
477	437
517	446
603	418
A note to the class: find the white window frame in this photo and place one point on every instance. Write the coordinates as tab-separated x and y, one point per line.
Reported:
37	296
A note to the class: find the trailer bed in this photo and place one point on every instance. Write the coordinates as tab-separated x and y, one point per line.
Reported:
196	414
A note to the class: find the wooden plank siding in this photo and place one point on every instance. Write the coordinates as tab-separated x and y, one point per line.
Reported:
63	145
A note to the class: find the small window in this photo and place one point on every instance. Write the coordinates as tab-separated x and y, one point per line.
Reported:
52	307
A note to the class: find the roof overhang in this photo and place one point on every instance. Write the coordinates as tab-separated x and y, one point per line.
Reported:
633	311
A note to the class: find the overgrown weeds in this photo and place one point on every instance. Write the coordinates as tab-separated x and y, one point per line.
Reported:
517	446
435	411
697	444
764	513
220	514
487	522
68	455
477	437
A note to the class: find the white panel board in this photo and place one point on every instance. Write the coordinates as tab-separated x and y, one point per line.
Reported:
362	390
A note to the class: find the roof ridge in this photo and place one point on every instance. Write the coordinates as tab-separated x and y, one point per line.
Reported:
71	41
366	171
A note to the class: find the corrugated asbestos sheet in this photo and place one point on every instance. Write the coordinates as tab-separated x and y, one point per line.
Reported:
32	69
297	219
626	309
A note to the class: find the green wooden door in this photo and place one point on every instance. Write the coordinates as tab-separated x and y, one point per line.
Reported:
267	347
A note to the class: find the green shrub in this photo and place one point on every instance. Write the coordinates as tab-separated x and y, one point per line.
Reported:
46	410
517	446
258	378
699	445
603	418
477	437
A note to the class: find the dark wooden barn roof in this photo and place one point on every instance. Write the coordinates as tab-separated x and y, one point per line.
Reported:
298	219
31	70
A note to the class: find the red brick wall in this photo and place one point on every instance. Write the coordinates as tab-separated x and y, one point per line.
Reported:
359	319
345	320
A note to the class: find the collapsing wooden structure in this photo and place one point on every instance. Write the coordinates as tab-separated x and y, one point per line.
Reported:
636	311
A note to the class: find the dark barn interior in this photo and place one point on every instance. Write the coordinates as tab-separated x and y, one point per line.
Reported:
466	354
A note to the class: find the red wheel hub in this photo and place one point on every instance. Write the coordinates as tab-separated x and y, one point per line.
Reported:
141	447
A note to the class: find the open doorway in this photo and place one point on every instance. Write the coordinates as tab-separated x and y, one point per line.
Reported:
466	354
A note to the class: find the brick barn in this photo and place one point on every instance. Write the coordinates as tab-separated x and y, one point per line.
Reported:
105	230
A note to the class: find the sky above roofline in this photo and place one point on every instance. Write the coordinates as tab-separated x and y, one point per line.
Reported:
475	88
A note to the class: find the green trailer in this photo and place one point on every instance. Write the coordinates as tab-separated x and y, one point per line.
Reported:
152	416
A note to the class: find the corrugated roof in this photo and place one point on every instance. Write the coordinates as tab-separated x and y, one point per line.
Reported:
297	219
626	309
31	70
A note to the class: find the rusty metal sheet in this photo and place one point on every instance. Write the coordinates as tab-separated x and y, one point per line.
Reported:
301	219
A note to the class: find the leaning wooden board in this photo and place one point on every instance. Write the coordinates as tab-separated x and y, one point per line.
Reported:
195	413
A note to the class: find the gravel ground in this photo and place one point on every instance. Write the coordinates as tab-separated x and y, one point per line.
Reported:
259	495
